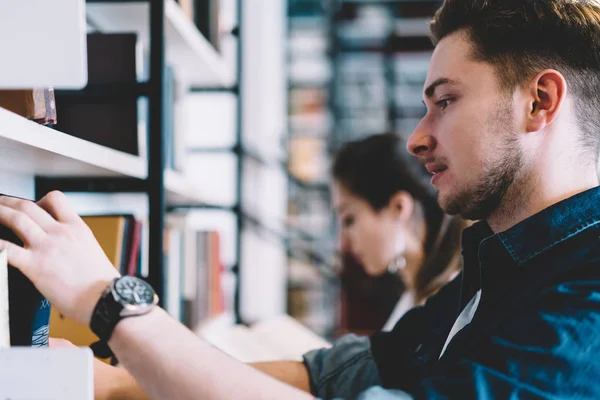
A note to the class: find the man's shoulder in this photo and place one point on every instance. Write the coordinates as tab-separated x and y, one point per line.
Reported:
577	290
567	312
577	284
561	281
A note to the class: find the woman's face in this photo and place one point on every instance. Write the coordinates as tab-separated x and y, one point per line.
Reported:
369	236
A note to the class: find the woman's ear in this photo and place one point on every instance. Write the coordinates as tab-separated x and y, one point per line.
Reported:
402	205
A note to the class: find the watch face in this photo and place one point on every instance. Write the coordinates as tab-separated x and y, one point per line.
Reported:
135	291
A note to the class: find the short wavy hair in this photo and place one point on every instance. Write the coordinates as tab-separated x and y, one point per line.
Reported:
523	37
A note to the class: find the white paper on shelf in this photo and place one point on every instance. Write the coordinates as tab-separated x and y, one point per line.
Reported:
44	373
278	338
44	44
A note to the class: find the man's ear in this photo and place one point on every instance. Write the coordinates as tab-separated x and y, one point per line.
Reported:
546	94
402	205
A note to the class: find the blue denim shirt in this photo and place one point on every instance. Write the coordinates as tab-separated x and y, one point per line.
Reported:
535	334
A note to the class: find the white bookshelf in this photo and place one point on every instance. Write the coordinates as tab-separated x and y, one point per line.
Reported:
194	58
181	191
27	148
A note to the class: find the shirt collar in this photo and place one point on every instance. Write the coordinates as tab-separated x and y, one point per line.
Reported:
483	250
550	227
542	231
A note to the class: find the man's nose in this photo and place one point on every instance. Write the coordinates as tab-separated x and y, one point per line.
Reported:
421	142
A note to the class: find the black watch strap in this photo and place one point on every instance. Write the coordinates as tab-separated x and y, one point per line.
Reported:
101	349
106	315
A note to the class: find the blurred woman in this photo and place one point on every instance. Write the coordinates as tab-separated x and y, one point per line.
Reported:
390	222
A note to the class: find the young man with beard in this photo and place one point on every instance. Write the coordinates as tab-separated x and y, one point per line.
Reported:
511	136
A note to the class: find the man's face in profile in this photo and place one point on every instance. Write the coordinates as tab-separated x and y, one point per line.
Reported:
468	138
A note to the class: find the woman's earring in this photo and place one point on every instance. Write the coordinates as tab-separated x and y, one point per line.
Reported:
397	264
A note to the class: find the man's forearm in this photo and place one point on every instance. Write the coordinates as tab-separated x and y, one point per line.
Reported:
121	385
169	362
291	372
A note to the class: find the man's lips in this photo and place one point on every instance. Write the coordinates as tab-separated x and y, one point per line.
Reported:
435	168
437	176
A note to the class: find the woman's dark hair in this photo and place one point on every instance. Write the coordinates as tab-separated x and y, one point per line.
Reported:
378	167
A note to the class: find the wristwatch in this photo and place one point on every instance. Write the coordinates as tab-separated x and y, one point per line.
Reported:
126	296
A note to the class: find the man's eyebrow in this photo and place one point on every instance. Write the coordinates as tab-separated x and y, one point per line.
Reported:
438	82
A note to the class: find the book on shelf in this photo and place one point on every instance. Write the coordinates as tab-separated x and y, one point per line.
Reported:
207	17
25	312
187	6
174	139
193	277
112	118
37	105
308	158
4	307
173	250
111	111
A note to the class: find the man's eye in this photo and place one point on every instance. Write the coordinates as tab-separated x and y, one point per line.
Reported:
443	104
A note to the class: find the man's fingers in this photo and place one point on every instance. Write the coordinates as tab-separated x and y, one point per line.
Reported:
36	213
57	205
60	343
21	224
18	257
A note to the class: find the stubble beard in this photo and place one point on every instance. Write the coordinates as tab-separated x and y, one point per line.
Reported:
497	187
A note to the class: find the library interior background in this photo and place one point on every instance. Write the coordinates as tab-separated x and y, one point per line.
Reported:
199	148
